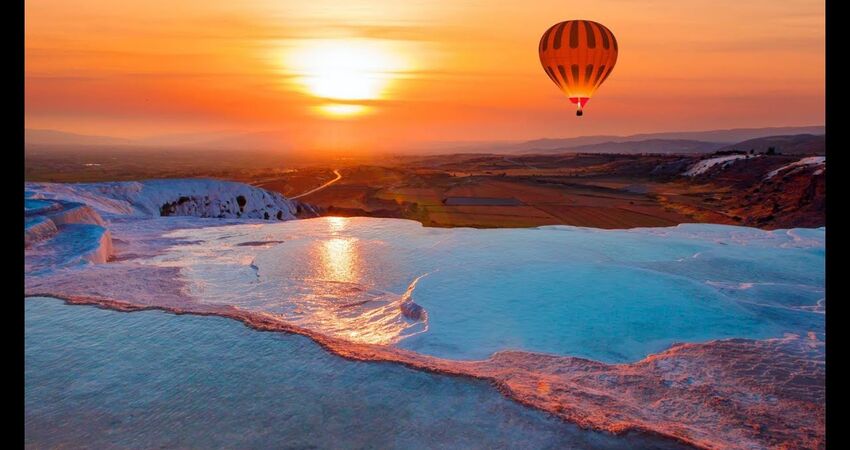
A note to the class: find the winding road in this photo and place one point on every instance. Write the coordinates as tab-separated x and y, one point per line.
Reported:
312	191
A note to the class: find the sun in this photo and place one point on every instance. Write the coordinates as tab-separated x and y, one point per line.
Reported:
344	72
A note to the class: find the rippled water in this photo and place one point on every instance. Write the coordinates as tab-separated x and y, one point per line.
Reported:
102	379
609	295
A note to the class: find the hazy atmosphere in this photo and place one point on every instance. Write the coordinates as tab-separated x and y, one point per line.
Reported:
449	224
371	75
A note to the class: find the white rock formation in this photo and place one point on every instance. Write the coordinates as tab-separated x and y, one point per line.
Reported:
182	197
703	166
812	161
68	224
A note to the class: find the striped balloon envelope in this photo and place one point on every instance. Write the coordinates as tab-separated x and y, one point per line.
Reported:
578	55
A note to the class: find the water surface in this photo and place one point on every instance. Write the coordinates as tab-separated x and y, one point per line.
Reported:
103	379
608	295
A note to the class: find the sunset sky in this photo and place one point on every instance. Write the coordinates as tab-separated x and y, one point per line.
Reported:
375	74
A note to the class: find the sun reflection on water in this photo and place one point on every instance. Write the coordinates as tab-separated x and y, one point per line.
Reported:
338	257
338	260
337	224
323	284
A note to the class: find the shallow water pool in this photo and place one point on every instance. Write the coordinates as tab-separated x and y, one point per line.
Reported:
609	295
96	378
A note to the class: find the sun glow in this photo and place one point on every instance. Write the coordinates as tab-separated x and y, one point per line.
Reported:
342	109
347	70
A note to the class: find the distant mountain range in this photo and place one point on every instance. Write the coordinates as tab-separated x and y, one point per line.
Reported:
802	140
215	141
53	137
664	142
798	144
645	146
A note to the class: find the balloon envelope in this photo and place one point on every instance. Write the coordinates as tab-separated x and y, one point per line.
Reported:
578	55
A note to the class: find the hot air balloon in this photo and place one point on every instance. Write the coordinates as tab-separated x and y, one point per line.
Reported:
578	55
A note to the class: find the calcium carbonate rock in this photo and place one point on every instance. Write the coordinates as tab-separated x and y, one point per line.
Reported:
173	197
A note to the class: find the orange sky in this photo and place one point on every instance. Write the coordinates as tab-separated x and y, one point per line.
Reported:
384	74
